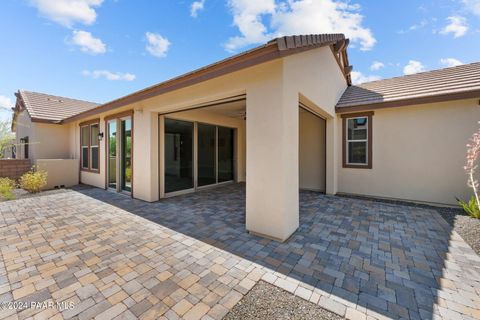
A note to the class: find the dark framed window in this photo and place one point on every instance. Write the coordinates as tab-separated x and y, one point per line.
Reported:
357	140
90	147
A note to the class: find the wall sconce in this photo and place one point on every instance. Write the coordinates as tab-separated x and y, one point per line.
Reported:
100	136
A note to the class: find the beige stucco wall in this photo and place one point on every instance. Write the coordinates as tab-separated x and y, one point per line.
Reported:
51	141
24	129
311	152
314	78
418	153
46	141
60	172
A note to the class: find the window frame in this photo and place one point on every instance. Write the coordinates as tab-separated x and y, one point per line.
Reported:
89	124
345	140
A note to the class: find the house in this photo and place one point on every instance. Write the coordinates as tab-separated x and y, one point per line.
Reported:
282	117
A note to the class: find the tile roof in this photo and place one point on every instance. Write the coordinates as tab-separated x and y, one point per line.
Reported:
274	49
49	108
431	86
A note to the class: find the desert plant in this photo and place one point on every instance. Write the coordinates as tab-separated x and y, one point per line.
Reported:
473	152
470	207
6	136
6	187
34	180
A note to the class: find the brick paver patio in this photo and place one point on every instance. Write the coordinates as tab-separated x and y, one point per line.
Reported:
193	259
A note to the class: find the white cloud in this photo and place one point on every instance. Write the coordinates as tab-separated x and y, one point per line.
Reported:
413	66
473	6
458	26
414	27
5	103
157	45
377	65
296	17
195	7
247	17
113	76
87	42
68	12
358	77
450	62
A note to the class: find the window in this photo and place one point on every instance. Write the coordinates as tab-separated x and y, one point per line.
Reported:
25	148
357	140
89	147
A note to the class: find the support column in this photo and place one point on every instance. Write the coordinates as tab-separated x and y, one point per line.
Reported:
272	208
145	156
332	156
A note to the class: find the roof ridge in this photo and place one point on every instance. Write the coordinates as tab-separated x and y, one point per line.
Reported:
419	73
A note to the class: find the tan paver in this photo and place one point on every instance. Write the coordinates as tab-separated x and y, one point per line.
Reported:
115	264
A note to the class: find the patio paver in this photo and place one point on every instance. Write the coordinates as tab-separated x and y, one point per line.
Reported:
190	256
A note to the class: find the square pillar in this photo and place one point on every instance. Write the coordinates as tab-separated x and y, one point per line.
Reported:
272	204
145	155
332	144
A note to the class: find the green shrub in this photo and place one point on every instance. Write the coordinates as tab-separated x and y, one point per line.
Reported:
470	207
6	187
33	181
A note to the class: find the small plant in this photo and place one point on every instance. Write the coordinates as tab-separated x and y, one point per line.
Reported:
473	152
34	180
6	187
470	207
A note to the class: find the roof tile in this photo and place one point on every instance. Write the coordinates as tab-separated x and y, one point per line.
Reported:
454	80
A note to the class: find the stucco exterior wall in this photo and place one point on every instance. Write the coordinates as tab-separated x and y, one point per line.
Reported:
418	153
315	75
60	172
46	141
24	129
51	141
315	79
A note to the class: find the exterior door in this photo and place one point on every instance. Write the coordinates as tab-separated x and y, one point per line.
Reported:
119	151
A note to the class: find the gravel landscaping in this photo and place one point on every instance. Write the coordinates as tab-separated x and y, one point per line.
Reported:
22	194
268	302
467	227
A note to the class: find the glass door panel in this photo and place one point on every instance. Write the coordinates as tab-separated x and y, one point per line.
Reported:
206	155
112	154
126	159
225	154
178	155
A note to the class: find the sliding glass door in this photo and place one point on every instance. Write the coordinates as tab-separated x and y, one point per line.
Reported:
196	155
207	168
112	153
126	152
119	161
225	154
178	155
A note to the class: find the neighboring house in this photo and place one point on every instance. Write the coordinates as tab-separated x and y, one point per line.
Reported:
36	119
282	117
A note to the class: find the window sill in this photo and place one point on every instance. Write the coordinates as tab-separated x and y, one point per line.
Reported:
90	170
359	166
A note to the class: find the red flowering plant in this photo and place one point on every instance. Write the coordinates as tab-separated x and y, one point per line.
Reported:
472	207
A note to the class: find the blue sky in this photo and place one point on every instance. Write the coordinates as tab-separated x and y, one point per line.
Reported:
99	50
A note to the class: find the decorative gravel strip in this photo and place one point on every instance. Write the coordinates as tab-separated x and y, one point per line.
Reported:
268	302
467	227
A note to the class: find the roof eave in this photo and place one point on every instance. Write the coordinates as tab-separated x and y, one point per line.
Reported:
268	52
412	101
